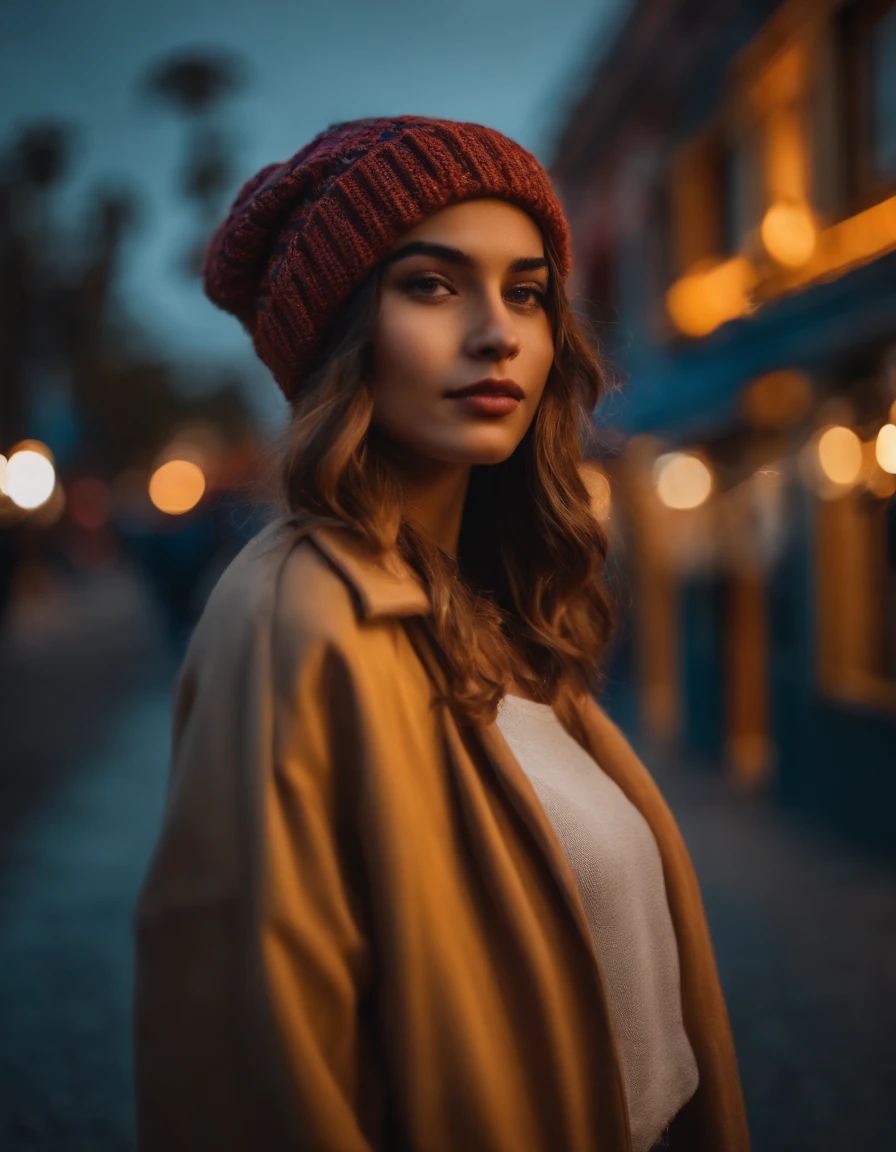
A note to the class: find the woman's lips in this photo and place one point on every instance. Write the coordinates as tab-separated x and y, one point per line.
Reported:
487	403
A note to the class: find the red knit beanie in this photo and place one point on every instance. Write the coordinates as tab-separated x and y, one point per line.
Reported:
302	235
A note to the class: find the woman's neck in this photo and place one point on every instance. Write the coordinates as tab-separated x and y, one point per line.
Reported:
434	495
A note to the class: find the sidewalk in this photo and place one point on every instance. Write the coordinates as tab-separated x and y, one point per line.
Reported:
804	929
84	712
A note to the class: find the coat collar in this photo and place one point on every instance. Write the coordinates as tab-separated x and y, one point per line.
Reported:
383	586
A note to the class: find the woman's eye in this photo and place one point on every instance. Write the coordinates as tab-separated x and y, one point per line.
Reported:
421	285
428	286
540	297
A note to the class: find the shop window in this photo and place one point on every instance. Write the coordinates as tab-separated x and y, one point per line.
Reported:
700	208
774	126
789	89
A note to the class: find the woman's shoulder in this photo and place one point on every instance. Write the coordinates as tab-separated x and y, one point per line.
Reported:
279	583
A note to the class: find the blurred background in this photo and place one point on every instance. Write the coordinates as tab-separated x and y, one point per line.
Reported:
729	171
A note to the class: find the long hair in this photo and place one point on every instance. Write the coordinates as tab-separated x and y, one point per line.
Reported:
526	590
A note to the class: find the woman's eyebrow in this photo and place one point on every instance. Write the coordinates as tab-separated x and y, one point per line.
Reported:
455	256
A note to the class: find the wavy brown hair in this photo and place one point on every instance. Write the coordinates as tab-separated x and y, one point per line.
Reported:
526	591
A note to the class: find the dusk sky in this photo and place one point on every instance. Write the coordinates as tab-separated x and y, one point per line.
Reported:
515	66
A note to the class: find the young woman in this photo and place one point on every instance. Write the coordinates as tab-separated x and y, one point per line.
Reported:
413	889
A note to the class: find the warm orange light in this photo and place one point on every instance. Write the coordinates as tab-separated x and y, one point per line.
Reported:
176	486
840	455
785	156
885	448
788	233
782	80
682	480
687	308
861	237
705	298
3	463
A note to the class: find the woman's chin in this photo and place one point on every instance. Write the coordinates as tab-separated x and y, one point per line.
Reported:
482	445
475	445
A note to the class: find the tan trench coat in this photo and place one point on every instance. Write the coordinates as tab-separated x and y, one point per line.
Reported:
358	930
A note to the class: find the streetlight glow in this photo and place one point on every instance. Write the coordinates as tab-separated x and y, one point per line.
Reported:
176	486
30	478
840	455
682	480
885	448
788	233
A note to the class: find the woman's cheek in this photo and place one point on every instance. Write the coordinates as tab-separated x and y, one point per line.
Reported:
403	342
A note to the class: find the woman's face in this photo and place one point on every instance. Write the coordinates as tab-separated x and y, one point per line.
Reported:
462	299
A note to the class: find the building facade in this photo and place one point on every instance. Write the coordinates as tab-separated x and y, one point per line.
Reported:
729	174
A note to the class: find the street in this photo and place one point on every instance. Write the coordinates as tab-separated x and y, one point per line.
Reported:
804	926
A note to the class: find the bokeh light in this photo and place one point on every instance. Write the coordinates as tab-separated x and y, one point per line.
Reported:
30	477
3	463
788	233
840	455
682	480
706	298
885	448
176	486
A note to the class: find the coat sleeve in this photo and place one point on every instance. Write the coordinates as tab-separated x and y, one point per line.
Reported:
251	953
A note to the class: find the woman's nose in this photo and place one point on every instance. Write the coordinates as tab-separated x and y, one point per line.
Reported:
493	335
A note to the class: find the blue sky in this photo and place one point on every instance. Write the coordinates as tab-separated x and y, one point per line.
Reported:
512	64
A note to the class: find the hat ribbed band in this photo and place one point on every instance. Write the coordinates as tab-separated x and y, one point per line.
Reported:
301	236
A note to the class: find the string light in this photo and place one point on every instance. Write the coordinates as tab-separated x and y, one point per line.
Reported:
788	233
682	480
30	476
176	486
885	448
840	455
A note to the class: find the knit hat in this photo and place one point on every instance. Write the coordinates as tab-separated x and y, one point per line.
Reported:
302	235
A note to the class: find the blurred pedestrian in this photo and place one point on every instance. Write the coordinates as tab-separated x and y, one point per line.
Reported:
414	890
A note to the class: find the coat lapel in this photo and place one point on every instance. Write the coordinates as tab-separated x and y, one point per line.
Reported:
515	785
519	791
522	797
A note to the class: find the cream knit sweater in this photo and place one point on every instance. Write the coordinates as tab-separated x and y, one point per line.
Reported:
617	867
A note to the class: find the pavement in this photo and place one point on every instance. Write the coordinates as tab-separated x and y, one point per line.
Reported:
804	926
84	703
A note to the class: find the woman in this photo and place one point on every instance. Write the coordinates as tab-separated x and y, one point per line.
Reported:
414	890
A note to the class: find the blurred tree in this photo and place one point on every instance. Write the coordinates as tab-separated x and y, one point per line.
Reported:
36	162
43	151
196	84
75	369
